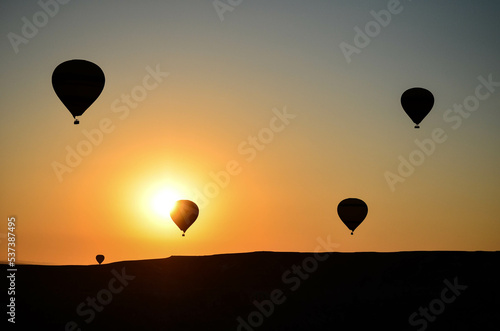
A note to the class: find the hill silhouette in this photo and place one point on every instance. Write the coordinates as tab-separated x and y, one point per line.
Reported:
266	291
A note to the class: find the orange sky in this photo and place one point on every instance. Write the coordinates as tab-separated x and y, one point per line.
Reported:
224	101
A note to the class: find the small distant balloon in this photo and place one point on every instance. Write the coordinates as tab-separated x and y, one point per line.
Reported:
184	214
99	258
352	212
78	83
417	102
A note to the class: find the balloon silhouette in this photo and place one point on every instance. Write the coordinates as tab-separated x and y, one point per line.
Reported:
184	214
77	83
99	258
352	212
417	102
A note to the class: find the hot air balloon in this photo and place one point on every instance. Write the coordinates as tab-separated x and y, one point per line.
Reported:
77	83
184	214
352	212
417	102
99	258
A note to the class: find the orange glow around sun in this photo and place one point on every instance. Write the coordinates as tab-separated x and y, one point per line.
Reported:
163	201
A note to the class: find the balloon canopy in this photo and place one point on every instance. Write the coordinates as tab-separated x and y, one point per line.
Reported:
99	258
78	83
352	212
417	102
184	214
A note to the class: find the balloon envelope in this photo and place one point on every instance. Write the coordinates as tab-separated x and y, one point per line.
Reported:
352	212
78	83
99	258
184	214
417	102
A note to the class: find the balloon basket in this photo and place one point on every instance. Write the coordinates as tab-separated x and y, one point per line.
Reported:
417	127
77	122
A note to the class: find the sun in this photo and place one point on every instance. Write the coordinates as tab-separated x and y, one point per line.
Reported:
163	202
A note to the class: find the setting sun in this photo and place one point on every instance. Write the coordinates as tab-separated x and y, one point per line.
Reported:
164	201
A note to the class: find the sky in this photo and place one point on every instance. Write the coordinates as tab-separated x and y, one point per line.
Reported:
266	113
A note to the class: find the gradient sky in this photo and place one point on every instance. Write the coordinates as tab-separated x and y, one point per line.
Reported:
225	78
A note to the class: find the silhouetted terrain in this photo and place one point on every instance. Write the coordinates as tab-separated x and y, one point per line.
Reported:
345	291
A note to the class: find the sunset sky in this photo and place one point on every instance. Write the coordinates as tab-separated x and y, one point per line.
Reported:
266	90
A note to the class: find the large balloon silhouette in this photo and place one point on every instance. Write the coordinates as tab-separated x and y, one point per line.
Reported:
78	83
99	258
184	214
352	212
417	102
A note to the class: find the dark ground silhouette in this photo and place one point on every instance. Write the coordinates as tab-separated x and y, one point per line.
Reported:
345	291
